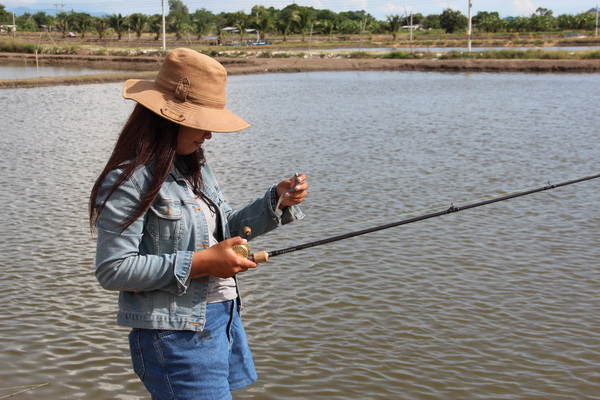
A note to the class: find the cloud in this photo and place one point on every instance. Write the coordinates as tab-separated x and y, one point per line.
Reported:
359	5
523	7
391	9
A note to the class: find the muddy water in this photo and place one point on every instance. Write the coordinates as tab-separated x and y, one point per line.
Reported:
497	302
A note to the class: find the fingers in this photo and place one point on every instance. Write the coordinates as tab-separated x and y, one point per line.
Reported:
220	260
301	184
293	190
239	261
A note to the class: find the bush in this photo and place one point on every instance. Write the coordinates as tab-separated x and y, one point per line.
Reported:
591	55
16	46
401	55
360	54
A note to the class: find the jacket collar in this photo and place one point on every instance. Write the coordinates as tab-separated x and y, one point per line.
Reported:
178	176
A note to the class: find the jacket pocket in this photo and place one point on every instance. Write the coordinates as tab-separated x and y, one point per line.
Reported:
165	221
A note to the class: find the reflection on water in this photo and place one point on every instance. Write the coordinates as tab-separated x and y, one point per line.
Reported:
499	302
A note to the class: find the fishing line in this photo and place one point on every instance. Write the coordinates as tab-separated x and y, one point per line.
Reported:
23	389
263	256
404	215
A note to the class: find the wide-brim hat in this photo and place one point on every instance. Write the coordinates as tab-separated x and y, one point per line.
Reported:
189	89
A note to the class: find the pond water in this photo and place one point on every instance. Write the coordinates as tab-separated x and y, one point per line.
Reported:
496	302
464	49
23	71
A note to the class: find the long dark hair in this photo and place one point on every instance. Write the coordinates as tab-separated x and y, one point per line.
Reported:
146	139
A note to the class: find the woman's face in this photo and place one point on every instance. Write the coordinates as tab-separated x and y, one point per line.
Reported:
190	139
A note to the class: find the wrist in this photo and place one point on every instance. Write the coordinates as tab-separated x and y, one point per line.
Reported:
199	264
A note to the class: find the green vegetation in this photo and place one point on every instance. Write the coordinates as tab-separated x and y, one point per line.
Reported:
295	31
10	45
74	80
591	55
265	22
537	54
401	55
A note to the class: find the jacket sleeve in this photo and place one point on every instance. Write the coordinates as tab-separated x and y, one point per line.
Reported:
119	264
260	215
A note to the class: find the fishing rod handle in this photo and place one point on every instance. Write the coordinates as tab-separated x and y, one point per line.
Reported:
243	250
259	257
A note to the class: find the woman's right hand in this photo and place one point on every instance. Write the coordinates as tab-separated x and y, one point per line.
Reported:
220	260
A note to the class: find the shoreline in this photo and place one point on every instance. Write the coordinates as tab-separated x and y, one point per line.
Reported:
145	67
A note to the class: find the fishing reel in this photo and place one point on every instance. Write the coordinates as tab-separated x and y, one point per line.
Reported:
243	250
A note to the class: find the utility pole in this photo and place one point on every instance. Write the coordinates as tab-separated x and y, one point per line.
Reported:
597	9
470	27
62	8
409	21
164	28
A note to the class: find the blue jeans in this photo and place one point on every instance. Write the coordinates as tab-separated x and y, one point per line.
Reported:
195	365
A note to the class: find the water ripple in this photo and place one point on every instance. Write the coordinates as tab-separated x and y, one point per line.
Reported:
498	302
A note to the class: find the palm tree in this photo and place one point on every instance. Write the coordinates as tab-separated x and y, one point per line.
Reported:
138	23
62	22
241	22
394	25
349	27
177	26
4	15
264	24
155	25
303	20
518	24
540	23
81	22
584	21
101	25
201	22
284	26
117	22
327	28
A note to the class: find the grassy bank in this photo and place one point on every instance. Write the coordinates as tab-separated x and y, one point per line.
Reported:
277	58
73	80
507	48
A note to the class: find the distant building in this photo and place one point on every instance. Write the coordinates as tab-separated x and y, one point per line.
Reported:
213	40
413	27
593	11
7	27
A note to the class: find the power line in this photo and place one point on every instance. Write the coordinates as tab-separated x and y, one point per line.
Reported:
61	5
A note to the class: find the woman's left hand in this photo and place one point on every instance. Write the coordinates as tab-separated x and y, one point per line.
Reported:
294	190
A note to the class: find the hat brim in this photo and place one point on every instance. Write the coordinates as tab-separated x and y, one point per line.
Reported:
181	112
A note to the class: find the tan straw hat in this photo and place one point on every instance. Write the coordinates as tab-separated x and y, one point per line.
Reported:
189	90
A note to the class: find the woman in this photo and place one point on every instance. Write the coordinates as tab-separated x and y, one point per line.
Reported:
166	235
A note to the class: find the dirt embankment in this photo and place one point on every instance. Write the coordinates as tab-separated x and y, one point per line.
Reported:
147	66
265	65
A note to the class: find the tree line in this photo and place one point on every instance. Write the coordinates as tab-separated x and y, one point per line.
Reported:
293	19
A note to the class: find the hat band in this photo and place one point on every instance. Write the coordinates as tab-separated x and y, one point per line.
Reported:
183	92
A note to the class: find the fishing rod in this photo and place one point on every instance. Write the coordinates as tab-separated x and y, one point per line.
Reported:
263	256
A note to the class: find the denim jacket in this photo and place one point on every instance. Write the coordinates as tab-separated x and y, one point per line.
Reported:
150	261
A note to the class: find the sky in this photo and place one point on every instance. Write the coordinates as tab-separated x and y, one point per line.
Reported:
377	8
